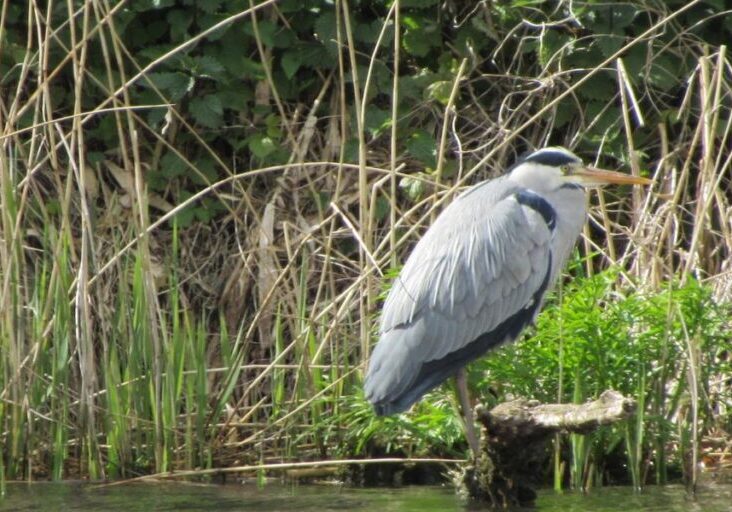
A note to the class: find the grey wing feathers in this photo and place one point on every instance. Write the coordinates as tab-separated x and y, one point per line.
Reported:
481	262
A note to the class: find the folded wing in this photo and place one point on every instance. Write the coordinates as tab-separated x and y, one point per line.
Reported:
472	283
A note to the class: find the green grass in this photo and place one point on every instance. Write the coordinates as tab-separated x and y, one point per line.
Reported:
623	339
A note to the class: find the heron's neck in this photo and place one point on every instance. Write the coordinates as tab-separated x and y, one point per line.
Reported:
570	204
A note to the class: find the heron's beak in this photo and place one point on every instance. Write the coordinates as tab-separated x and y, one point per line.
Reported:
591	176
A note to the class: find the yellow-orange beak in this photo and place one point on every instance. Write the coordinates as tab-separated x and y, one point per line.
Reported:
591	176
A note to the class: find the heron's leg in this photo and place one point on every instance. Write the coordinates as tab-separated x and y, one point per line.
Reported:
461	380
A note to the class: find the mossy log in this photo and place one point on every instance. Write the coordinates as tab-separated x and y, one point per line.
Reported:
513	443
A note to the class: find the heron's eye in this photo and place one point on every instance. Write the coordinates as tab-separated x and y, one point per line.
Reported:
564	169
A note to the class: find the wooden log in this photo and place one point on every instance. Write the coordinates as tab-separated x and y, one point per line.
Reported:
514	436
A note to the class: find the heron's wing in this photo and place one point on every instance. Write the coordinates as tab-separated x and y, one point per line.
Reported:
473	281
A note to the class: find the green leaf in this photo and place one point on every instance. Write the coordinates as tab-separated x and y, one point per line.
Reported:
209	20
207	110
421	36
266	29
413	87
184	218
274	126
95	157
252	69
236	96
291	62
377	120
565	112
611	18
203	214
236	64
325	31
172	166
663	72
603	118
153	51
411	22
609	44
284	38
474	37
369	32
449	169
180	20
440	91
382	208
421	145
175	85
550	44
208	209
142	37
419	42
635	60
314	56
600	86
205	171
209	6
350	151
208	66
261	145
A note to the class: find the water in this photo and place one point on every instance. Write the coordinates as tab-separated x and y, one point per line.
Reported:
194	497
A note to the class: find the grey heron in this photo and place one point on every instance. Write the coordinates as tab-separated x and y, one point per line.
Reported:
478	277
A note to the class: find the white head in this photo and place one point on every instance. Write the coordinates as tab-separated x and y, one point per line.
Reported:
552	168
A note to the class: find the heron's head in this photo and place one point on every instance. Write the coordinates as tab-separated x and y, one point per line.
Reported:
552	168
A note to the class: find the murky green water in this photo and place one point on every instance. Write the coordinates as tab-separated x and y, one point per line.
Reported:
193	497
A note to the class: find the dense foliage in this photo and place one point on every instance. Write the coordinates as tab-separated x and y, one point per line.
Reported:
241	92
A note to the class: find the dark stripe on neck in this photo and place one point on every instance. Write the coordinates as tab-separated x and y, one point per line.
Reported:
539	205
